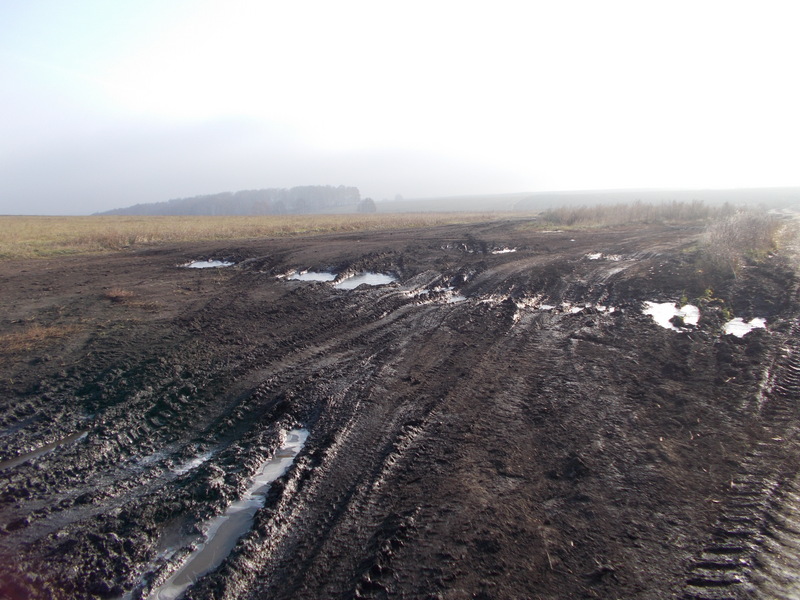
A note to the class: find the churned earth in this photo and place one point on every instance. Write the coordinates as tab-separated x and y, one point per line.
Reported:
501	421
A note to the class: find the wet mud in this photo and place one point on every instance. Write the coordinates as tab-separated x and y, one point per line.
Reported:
524	441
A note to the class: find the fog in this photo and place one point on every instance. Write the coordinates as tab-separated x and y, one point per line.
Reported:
105	105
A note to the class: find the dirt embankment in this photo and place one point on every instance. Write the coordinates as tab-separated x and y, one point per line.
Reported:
501	422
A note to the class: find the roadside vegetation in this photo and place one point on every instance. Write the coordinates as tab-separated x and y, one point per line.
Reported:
32	237
745	237
605	215
733	237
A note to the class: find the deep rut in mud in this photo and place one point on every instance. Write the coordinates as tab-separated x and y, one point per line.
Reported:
539	438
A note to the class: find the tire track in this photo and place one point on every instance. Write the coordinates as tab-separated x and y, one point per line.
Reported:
755	546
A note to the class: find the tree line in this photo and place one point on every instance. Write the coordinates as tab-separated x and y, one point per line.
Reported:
273	201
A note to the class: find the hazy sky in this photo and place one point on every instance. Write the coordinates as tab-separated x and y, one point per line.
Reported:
111	103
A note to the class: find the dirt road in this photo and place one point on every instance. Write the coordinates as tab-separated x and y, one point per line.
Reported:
502	421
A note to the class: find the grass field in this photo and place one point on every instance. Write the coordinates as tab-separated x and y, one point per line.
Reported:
32	237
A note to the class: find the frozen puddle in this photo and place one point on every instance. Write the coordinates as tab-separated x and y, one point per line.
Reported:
312	276
368	278
224	531
664	311
739	328
208	264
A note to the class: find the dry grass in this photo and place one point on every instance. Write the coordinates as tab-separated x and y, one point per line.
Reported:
730	242
604	215
31	237
33	337
118	295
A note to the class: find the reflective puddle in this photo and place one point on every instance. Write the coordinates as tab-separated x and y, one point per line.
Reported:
740	328
208	264
662	312
368	278
224	531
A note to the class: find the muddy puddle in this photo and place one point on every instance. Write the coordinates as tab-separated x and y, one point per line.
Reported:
600	255
192	463
222	532
312	276
13	462
208	264
365	278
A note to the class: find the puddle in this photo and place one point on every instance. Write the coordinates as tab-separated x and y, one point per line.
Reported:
740	328
368	278
599	255
192	463
447	295
208	264
504	250
13	462
312	276
662	313
224	531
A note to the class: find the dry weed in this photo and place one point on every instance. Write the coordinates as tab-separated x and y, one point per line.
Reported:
34	336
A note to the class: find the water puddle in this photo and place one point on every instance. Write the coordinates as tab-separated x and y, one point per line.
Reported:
438	294
369	278
599	255
662	312
13	462
504	250
208	264
456	298
740	328
192	463
224	531
312	276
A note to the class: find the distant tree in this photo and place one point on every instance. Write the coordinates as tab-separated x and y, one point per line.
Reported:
367	205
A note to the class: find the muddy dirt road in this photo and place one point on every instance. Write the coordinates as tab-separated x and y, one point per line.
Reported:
502	421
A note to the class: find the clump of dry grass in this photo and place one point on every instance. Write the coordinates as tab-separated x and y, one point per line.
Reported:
728	243
33	337
32	237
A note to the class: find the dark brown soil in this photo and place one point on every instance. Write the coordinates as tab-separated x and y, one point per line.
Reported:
479	449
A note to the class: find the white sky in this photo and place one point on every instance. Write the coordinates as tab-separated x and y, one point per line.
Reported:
111	103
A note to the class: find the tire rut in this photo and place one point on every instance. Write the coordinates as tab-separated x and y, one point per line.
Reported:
754	548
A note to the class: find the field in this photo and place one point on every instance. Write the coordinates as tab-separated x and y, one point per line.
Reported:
27	237
503	420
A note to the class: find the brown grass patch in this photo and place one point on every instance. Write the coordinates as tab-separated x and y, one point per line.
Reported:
33	237
34	336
